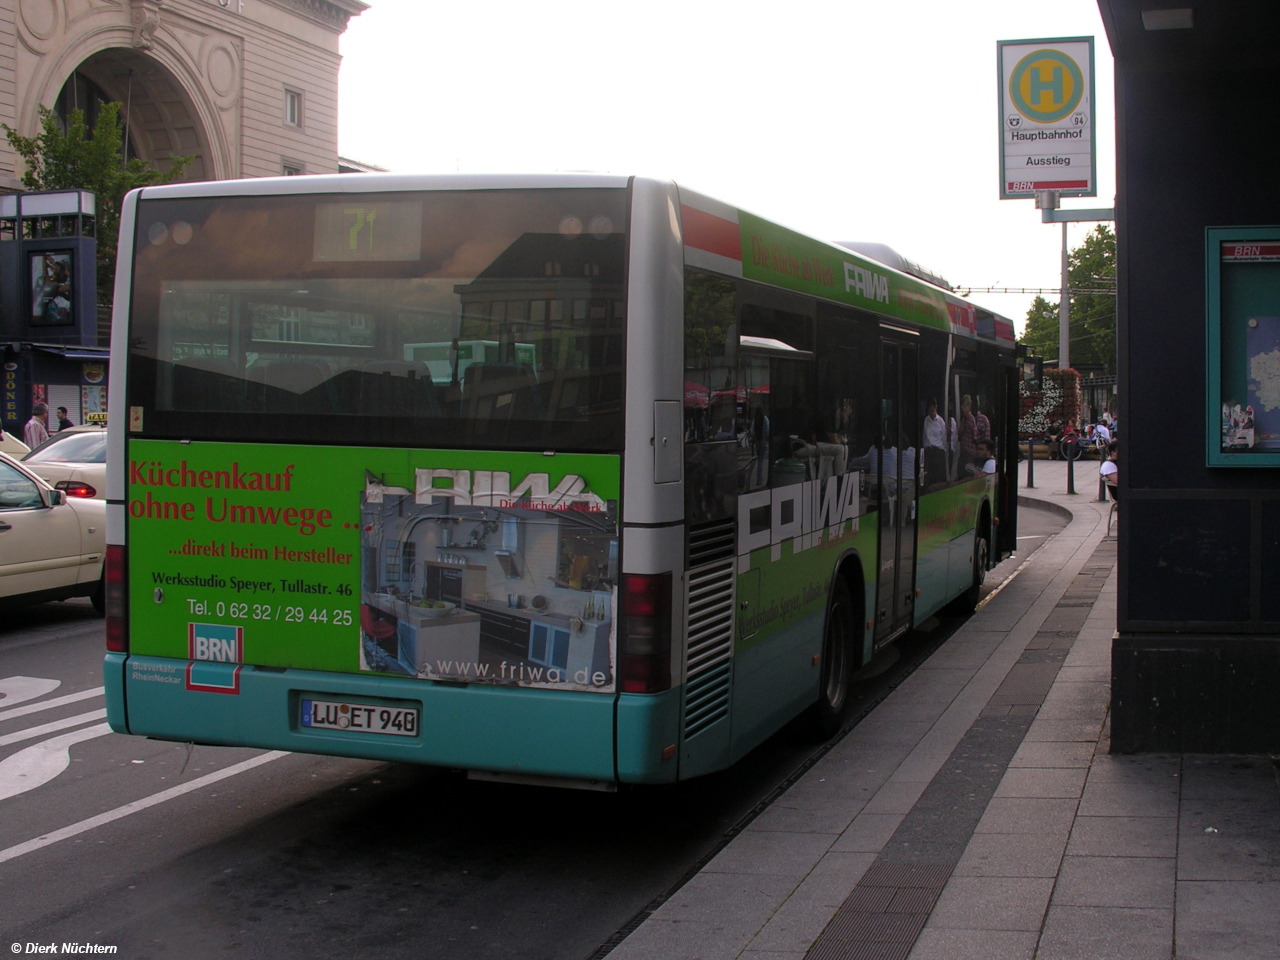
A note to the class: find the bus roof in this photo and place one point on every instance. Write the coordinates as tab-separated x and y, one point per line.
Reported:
383	182
726	239
714	235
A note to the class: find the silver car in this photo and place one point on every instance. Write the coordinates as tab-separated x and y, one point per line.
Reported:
12	444
73	460
51	546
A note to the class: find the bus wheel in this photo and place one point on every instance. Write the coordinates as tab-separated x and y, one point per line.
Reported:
837	663
967	602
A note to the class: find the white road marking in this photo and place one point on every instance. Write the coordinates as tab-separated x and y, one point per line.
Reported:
50	704
137	806
32	732
38	764
14	690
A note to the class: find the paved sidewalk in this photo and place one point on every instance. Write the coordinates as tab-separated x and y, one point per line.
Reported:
977	813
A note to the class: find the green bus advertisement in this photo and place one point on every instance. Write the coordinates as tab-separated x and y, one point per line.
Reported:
573	479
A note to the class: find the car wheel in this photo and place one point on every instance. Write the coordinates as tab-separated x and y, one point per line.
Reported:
99	596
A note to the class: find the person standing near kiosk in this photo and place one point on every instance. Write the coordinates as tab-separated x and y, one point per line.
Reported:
36	431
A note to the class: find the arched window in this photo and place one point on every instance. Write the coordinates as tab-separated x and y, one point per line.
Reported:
81	93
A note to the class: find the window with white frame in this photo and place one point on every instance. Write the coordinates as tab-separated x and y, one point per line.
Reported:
292	107
292	168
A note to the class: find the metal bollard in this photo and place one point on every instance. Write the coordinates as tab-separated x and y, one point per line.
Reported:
1031	464
1071	476
1102	489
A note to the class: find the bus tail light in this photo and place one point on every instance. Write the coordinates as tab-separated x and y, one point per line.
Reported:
117	613
644	641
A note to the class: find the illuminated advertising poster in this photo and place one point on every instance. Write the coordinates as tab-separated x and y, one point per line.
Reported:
1047	117
93	404
1244	346
51	280
477	567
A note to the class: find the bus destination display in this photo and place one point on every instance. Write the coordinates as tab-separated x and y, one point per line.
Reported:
355	232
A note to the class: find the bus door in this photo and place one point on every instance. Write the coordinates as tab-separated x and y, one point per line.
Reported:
896	479
1006	533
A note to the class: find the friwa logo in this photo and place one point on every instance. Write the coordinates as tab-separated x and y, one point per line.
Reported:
492	488
801	513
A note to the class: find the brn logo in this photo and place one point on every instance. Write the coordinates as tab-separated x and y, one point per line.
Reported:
218	642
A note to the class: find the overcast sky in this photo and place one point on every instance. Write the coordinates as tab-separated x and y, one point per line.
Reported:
844	119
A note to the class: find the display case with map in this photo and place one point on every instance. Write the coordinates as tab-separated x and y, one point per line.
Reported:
1243	349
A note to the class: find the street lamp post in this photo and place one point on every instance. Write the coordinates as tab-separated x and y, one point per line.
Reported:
1047	204
1064	308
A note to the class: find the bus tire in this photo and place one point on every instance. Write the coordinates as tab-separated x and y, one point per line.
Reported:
837	663
967	602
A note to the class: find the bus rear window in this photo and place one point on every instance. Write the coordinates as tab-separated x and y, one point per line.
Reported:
446	319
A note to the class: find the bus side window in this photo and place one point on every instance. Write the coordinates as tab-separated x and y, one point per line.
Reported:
756	422
938	415
794	454
776	396
716	448
990	401
710	356
847	402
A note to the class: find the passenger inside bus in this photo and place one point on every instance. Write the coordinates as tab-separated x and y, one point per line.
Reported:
936	442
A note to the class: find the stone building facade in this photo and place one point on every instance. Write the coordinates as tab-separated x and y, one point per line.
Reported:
249	88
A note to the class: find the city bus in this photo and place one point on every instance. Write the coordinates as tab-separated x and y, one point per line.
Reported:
576	479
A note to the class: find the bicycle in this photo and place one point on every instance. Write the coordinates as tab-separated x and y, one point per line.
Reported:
1072	447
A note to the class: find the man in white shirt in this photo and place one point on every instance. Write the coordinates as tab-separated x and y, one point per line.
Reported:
1101	432
984	459
987	456
935	446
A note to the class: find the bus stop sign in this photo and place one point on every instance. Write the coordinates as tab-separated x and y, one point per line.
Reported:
1046	102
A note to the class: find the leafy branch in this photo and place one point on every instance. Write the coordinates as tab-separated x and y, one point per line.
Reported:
80	159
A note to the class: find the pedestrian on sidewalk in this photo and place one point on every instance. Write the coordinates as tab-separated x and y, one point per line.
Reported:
1109	470
1052	438
36	431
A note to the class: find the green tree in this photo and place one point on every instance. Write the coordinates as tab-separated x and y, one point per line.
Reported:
1093	315
80	159
1041	332
1090	267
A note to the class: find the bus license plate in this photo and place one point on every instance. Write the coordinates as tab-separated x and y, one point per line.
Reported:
361	717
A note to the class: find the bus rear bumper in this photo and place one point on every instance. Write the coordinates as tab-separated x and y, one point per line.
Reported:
648	737
113	674
504	729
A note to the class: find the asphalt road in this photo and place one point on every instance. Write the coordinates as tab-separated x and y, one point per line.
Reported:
221	852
